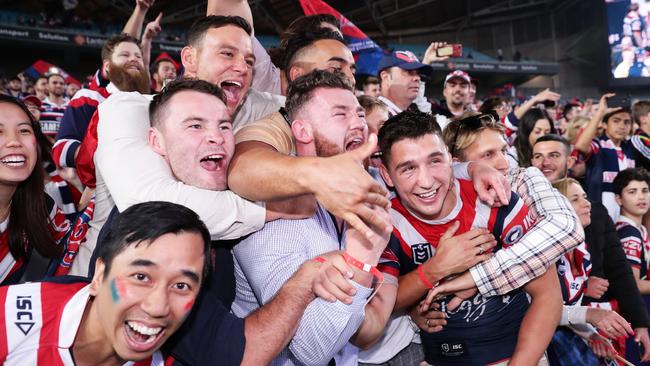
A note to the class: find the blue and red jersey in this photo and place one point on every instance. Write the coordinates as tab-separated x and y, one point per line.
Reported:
481	330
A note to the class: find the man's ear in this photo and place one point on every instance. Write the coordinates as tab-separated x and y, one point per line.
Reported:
188	59
383	171
302	131
156	141
570	162
384	75
295	72
105	64
618	199
98	277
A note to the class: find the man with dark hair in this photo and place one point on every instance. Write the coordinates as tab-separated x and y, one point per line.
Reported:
53	106
552	156
162	71
148	276
267	75
267	258
435	213
228	37
371	87
122	65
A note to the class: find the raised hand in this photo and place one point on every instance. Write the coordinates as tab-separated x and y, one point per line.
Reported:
346	189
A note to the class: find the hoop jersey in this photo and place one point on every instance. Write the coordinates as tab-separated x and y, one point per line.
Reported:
634	241
39	322
481	330
573	285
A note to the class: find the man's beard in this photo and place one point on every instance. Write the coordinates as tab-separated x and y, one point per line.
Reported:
326	148
125	81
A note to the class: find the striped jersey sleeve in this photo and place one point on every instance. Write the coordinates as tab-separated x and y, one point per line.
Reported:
74	124
631	241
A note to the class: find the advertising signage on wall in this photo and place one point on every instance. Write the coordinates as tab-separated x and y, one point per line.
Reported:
71	39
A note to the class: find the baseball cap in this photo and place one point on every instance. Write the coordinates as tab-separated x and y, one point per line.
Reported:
405	60
32	99
458	74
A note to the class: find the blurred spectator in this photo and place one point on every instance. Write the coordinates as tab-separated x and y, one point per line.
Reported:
371	86
15	87
53	106
162	71
533	124
71	89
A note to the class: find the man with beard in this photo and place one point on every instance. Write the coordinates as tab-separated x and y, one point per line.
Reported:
71	89
53	106
400	74
122	63
327	120
456	91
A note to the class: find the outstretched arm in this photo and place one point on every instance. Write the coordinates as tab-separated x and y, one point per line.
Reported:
133	26
231	7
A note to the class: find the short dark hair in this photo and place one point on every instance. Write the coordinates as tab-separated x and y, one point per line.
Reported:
558	138
154	66
371	80
624	177
568	107
148	221
622	110
49	76
300	90
160	100
306	24
491	104
111	43
199	28
301	41
406	125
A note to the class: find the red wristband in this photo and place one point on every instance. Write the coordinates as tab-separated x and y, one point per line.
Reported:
364	267
423	278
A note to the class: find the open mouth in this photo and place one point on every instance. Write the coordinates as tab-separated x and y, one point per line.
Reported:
353	143
427	195
14	161
142	338
232	89
213	162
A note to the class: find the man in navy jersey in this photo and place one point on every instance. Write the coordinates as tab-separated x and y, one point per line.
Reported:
430	208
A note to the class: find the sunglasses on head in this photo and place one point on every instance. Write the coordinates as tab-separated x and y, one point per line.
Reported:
472	123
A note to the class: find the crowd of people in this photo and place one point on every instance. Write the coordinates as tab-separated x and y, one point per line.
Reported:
248	208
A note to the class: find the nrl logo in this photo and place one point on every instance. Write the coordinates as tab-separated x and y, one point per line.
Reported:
421	252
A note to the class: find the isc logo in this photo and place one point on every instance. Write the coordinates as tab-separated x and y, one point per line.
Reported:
24	317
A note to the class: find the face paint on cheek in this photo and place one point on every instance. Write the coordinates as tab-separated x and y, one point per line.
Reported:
187	307
118	289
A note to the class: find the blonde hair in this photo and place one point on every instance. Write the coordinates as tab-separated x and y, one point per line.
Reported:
562	185
574	127
458	139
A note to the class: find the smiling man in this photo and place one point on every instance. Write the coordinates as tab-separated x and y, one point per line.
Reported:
552	155
219	50
148	275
